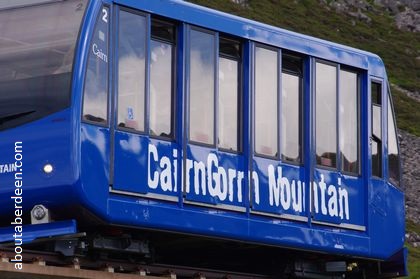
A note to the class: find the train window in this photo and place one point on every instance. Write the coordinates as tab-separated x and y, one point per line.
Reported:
393	154
326	114
349	131
229	61
266	101
131	70
202	86
161	79
95	100
376	92
291	83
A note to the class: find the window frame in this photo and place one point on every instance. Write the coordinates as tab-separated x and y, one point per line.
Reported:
285	54
278	51
149	37
337	143
107	121
147	16
359	131
188	84
174	62
379	82
339	67
240	102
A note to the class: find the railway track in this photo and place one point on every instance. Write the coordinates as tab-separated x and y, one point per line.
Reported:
46	265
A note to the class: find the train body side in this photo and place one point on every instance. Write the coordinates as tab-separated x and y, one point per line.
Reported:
138	180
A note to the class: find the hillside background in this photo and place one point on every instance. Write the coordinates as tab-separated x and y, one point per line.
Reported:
388	28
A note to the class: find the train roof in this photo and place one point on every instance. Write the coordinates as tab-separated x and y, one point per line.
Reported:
260	32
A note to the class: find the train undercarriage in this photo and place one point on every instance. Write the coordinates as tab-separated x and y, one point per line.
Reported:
116	252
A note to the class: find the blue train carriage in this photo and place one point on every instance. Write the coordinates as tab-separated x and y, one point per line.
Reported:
154	117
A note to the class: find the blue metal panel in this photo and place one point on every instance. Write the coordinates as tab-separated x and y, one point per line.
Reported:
247	136
95	166
387	219
280	189
33	232
308	127
216	223
214	178
180	101
45	141
92	141
338	199
146	166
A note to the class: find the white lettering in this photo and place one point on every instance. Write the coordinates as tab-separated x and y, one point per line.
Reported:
282	192
256	183
210	178
332	202
199	171
165	176
99	53
323	187
152	182
7	168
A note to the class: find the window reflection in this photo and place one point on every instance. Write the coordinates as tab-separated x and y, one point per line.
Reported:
349	132
202	79
290	117
96	84
326	116
131	71
393	154
161	89
376	92
266	108
228	104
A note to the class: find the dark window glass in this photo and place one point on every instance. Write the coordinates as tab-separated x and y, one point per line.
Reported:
95	100
376	92
163	30
161	79
230	48
131	70
202	85
393	154
266	102
326	114
349	131
290	117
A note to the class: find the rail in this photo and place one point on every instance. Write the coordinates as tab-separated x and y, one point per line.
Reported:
46	265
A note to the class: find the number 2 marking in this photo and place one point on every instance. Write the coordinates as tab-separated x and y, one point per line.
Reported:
105	15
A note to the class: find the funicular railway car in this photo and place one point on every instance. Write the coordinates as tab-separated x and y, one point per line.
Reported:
212	140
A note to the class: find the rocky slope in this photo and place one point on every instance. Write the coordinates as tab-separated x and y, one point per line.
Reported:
410	150
405	12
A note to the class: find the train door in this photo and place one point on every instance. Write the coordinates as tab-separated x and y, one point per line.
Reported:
146	149
278	174
95	131
378	187
376	140
214	165
338	188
